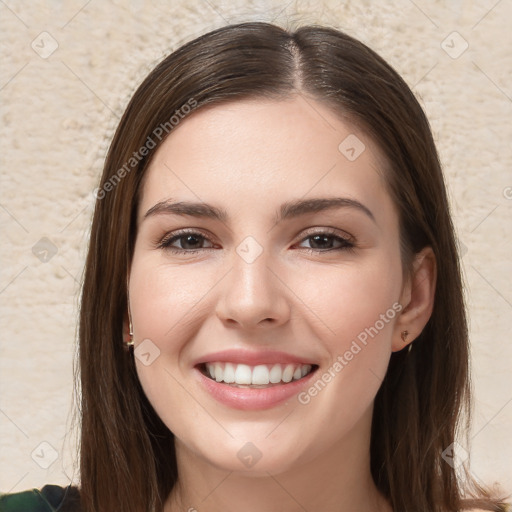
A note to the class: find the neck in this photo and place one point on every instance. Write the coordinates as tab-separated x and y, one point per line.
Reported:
336	480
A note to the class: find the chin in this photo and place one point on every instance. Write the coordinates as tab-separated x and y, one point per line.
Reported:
253	458
268	463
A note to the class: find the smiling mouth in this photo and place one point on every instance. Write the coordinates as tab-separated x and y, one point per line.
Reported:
258	376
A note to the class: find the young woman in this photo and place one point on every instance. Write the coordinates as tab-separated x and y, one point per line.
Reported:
272	315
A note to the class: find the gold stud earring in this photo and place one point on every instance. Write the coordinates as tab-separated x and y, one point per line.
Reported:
404	335
130	342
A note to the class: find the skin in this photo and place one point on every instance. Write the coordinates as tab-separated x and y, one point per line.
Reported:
248	158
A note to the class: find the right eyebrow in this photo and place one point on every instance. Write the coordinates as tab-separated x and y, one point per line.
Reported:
194	209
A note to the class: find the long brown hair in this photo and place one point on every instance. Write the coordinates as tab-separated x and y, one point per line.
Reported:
127	457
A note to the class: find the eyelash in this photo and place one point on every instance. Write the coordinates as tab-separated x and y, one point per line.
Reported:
347	243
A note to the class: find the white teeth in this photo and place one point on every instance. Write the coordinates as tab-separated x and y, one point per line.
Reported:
275	374
243	374
229	373
259	375
288	373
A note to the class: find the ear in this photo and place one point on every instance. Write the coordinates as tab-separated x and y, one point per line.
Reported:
127	316
126	327
417	299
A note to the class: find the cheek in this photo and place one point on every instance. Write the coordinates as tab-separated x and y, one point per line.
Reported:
358	308
352	299
164	298
166	303
357	305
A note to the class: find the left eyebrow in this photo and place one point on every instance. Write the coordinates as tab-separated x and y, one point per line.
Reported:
299	207
288	210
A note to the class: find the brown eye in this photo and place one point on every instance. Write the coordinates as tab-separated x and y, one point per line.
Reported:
185	242
326	241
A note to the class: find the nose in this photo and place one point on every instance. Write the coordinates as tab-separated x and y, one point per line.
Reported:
253	296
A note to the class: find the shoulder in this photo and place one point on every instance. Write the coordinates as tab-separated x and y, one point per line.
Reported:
48	499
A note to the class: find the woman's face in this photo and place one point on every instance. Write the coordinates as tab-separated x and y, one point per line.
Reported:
267	246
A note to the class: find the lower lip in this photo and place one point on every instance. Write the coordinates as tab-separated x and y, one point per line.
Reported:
253	399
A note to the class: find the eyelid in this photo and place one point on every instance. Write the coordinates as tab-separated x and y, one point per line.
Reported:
323	230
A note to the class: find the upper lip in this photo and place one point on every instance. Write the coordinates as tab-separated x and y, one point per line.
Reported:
251	358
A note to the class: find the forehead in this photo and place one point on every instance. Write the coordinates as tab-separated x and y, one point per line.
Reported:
254	152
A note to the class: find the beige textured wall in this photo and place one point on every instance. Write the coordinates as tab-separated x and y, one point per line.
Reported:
58	112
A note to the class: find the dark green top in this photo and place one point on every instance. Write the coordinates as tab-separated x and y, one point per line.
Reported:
51	498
